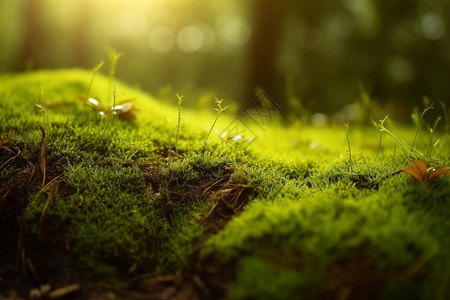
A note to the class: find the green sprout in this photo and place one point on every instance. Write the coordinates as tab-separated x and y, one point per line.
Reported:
180	107
380	149
94	73
349	147
219	110
114	99
408	153
43	110
113	57
418	120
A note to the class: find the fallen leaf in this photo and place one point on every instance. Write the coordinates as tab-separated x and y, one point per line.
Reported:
422	172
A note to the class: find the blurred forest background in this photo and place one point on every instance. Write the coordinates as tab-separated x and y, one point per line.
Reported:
318	55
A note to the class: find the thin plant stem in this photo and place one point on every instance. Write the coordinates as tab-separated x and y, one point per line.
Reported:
349	148
94	73
114	112
219	110
394	162
114	57
419	123
408	153
114	99
379	146
180	107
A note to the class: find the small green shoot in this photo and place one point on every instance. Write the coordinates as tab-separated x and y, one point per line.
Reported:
113	57
408	153
43	110
418	120
94	73
349	148
219	110
180	107
432	130
114	99
380	147
123	109
113	110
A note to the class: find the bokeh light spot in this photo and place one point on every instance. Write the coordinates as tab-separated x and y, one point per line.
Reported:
133	23
233	30
432	26
400	69
162	39
190	38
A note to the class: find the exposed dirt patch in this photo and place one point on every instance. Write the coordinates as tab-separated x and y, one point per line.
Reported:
228	198
30	174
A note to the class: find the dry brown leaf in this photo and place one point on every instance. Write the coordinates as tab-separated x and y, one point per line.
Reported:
422	172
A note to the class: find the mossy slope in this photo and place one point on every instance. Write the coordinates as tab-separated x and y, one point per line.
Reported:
111	199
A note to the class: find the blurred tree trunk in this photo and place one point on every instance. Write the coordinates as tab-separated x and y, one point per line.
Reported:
263	51
81	37
28	56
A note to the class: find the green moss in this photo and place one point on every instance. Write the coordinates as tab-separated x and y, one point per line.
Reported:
122	204
258	279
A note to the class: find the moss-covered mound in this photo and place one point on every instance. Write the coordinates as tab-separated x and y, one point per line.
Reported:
97	203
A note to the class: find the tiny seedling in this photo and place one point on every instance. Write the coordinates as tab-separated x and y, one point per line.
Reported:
418	120
113	57
423	172
408	153
219	110
94	73
124	109
113	110
432	130
180	107
114	101
43	110
380	147
349	147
